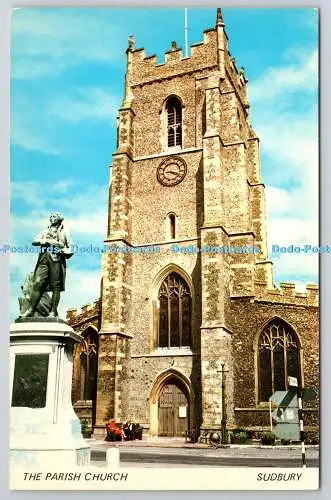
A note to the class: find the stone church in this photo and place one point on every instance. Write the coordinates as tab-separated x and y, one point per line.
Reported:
187	286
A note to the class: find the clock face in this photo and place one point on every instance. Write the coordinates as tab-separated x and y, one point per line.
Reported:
171	171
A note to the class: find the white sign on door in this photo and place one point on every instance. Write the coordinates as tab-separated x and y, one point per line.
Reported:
182	413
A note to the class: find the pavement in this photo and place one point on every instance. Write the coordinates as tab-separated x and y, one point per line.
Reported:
165	452
160	442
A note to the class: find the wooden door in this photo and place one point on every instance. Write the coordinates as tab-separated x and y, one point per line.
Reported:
173	410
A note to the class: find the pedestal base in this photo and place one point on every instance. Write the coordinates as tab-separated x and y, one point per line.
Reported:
44	429
52	459
99	432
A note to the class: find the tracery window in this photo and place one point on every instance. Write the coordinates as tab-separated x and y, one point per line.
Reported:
278	354
88	365
174	122
175	312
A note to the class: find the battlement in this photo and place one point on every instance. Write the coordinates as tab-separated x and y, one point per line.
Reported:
78	315
144	69
237	78
286	294
212	53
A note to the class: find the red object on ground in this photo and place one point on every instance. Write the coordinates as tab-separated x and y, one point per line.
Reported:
115	428
118	430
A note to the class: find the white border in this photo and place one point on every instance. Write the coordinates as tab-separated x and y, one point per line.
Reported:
325	182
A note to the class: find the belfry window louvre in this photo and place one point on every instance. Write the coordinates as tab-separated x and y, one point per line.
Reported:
175	312
278	354
174	122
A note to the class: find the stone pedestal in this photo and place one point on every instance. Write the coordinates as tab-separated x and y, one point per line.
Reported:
44	429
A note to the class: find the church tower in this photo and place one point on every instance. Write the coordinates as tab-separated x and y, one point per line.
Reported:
190	334
186	235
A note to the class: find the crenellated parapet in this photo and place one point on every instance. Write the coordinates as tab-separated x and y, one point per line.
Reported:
238	80
287	294
87	313
145	69
211	53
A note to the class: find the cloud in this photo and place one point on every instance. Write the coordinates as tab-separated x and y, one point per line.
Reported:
82	287
31	192
29	128
46	41
71	197
285	232
286	120
39	127
309	19
300	76
85	104
31	140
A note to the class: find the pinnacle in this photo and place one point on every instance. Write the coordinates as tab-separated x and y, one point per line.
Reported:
219	17
131	42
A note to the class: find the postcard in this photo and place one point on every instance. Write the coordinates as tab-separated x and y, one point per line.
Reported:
164	249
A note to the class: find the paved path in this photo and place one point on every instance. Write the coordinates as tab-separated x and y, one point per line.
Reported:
181	447
163	455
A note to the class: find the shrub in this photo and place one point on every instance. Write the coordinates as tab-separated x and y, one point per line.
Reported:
137	431
312	440
255	435
312	437
268	438
239	436
84	427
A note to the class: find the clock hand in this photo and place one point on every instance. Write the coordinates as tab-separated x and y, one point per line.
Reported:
172	172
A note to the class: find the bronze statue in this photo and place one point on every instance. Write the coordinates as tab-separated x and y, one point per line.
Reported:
44	306
50	271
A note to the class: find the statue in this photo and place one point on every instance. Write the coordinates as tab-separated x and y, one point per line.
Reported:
49	273
44	306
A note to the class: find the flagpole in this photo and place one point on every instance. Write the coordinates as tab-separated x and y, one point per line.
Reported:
186	43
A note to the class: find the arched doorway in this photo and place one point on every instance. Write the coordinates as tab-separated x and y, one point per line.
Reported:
172	404
173	409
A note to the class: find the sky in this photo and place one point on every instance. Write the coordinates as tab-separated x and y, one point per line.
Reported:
67	76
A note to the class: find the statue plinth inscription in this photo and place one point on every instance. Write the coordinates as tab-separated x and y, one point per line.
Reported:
30	380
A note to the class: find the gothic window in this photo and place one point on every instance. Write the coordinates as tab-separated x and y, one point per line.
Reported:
87	359
278	355
174	122
175	312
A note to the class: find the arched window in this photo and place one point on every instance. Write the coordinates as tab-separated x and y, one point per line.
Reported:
175	312
174	122
88	366
278	354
